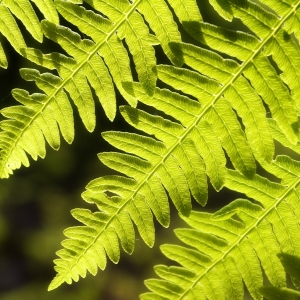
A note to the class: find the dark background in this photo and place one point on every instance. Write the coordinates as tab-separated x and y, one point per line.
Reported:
35	203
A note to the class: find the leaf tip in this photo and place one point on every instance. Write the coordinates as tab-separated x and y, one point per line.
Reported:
55	283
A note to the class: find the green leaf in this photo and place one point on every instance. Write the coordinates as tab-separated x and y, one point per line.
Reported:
216	106
291	265
100	61
23	10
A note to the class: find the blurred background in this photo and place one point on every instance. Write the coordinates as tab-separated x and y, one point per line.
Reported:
35	203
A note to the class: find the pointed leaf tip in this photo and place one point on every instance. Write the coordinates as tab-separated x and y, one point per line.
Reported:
55	283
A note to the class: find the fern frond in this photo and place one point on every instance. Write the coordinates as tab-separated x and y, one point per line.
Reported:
242	84
23	10
253	52
232	245
182	151
99	61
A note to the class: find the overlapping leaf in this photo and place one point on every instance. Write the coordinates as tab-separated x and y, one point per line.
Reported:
23	10
99	61
180	152
231	246
291	264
